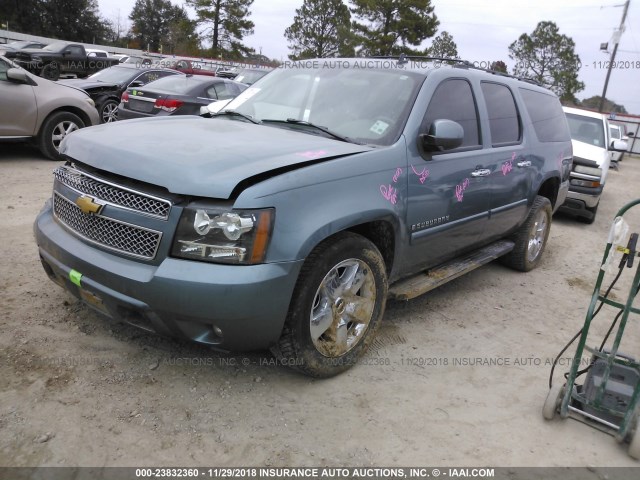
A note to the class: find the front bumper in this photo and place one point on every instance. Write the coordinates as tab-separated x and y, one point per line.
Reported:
578	202
180	298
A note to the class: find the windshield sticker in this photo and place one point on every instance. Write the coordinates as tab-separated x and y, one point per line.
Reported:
379	127
424	174
312	154
461	187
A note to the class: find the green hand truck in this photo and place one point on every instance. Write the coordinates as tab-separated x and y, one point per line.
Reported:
609	397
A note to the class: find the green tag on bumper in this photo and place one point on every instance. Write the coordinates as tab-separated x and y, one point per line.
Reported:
75	277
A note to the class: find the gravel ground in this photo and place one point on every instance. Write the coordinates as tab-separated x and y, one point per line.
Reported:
79	390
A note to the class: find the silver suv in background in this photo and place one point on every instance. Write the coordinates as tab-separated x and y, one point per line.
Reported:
48	111
591	160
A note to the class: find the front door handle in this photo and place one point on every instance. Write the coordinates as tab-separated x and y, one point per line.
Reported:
523	164
481	172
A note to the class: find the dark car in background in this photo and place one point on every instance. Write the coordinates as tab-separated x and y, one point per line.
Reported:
176	95
106	86
249	76
11	49
188	66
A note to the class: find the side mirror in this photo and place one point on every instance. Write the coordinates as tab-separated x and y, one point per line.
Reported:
618	146
443	135
15	75
136	83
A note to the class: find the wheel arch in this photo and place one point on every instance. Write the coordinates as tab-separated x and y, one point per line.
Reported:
381	230
549	189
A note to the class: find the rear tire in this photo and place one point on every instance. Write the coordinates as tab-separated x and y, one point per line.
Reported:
57	126
531	238
336	308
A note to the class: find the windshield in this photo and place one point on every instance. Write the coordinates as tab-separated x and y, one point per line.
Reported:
55	46
114	75
177	84
586	129
16	45
250	76
365	105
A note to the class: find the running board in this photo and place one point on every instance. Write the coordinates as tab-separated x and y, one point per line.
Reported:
428	280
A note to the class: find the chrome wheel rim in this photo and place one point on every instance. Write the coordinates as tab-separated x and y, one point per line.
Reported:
110	113
537	236
343	307
61	130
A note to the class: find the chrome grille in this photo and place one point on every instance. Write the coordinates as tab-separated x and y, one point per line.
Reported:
118	195
109	233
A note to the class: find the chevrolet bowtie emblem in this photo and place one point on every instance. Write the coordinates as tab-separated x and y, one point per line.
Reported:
88	205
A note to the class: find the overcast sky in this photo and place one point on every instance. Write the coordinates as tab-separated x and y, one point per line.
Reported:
484	30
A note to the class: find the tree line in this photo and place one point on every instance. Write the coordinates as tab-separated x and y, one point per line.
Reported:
320	29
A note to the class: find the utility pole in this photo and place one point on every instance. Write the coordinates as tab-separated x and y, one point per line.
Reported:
616	39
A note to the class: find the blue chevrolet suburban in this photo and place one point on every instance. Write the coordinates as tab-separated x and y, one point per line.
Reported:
287	220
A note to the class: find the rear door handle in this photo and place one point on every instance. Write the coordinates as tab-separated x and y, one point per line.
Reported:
526	163
481	172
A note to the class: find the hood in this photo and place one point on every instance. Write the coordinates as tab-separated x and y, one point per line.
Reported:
590	152
204	157
87	83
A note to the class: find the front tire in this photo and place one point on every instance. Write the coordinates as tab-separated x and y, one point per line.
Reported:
51	72
54	129
531	238
337	306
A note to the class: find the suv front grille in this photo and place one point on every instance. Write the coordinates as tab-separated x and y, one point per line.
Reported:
109	233
118	195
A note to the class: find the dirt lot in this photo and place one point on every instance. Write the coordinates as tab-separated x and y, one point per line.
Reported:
77	389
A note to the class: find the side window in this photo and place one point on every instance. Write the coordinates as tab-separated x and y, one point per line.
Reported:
547	116
211	93
504	121
453	100
223	91
74	50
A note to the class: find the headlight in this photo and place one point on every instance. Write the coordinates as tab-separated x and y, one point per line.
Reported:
223	236
584	183
597	172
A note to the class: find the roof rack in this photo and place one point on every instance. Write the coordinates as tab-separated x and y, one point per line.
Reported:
457	63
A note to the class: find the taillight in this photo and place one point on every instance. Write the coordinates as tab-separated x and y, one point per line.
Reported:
168	105
125	97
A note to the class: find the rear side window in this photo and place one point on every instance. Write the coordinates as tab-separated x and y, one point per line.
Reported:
547	116
504	121
453	100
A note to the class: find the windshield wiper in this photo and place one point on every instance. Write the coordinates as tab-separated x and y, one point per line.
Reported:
237	114
294	121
